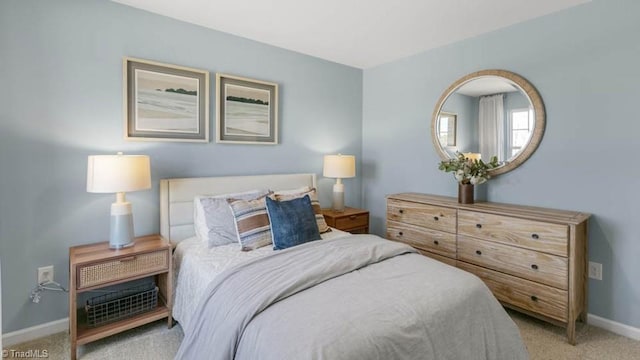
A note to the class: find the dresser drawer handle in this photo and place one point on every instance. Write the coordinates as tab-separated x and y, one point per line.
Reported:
479	226
534	298
478	252
401	211
535	236
436	242
436	218
400	233
534	267
352	217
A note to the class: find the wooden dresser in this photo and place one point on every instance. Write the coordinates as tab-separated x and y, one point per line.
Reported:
534	260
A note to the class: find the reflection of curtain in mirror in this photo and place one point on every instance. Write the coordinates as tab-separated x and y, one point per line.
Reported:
491	127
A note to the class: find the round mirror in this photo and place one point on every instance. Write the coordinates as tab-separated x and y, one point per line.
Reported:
489	113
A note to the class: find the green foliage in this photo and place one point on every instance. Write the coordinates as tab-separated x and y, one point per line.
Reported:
246	100
468	171
182	91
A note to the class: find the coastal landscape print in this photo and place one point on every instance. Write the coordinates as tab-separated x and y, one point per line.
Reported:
247	111
166	103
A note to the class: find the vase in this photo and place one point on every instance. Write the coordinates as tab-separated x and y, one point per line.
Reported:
465	193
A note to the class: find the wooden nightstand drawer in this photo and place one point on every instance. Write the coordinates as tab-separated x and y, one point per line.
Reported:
352	221
355	221
122	268
535	235
432	217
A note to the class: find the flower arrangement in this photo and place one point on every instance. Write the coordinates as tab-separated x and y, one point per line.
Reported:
469	170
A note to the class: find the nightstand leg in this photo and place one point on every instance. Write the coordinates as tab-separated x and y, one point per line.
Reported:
73	350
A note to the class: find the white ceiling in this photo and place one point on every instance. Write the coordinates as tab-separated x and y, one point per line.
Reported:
359	33
486	86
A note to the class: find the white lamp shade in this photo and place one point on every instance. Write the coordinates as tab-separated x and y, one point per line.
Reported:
118	173
339	166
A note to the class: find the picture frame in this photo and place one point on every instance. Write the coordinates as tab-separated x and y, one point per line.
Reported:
246	111
447	128
165	102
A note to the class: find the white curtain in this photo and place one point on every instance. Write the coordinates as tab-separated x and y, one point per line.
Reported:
491	127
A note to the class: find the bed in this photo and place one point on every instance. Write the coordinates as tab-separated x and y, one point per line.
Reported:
343	297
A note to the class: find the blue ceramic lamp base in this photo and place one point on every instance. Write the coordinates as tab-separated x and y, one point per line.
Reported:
121	229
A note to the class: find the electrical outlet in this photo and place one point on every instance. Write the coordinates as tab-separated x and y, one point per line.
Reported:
45	274
595	270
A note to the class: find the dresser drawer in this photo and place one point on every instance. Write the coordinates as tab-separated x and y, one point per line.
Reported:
540	267
443	259
352	221
435	241
122	268
524	294
535	235
429	216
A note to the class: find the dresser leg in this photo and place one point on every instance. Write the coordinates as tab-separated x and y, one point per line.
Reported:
583	317
571	332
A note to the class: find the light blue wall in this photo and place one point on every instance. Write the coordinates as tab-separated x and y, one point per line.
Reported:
61	100
466	108
584	62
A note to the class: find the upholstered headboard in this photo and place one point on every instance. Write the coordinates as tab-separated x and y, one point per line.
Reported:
176	196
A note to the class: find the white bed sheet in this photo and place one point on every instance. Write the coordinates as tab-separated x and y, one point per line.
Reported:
195	265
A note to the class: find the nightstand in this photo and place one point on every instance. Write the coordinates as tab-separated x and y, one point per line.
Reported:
355	221
95	266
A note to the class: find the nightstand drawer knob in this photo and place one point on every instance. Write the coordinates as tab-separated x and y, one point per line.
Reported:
534	298
436	218
436	242
400	233
479	226
535	236
401	211
352	217
534	267
478	252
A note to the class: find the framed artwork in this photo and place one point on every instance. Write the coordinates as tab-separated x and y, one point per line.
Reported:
447	127
246	110
164	102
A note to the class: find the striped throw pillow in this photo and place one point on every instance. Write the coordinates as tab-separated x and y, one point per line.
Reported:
289	195
252	222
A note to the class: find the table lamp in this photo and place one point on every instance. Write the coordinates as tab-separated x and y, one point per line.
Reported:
472	156
119	174
339	167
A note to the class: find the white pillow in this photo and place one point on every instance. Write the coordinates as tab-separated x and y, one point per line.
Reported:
213	219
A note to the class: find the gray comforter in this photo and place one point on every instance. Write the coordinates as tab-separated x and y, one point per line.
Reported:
358	297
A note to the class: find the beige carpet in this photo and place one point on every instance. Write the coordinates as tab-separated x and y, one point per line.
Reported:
155	341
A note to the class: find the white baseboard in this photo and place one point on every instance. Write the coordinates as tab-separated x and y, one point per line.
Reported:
35	332
614	327
57	326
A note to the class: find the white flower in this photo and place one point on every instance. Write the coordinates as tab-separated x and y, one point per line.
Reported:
459	175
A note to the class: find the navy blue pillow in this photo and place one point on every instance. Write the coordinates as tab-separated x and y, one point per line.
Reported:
293	222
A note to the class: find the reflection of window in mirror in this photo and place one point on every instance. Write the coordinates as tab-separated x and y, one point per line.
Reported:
520	128
447	128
